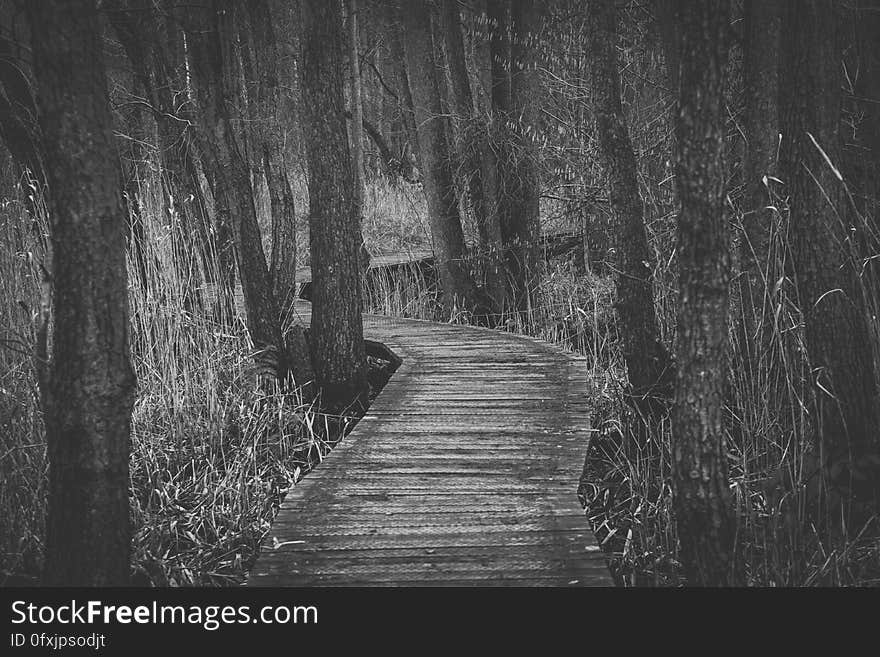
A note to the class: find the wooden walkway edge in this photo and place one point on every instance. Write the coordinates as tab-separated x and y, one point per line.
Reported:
463	472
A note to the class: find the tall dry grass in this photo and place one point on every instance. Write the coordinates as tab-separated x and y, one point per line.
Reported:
214	446
213	451
770	428
23	465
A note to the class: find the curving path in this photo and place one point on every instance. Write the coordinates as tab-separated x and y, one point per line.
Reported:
463	472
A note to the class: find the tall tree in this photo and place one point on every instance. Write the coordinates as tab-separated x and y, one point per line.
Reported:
761	126
821	228
499	106
261	54
91	381
217	79
458	289
357	104
703	510
477	161
664	15
399	73
337	341
357	123
647	361
516	92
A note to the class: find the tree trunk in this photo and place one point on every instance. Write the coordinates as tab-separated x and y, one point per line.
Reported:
211	36
357	106
704	515
456	66
153	44
491	56
495	165
821	229
261	50
520	219
91	382
498	15
647	361
337	340
398	61
474	153
357	126
761	126
282	272
458	289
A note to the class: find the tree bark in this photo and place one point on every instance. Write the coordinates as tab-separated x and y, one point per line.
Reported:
823	233
91	381
456	65
211	35
356	125
498	15
474	153
458	289
664	15
647	362
398	61
337	340
520	190
704	515
391	164
261	51
761	126
357	106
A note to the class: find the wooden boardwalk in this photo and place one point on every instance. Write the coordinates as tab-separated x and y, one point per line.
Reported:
385	261
463	472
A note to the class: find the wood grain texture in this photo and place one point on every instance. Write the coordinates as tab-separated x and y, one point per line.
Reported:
463	472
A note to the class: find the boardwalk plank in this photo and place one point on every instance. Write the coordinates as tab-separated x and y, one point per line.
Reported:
463	472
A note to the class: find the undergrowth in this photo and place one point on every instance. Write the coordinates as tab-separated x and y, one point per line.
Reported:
627	484
216	442
215	447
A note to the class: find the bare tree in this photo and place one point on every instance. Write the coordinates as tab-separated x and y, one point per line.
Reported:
260	55
217	78
357	105
498	17
458	288
647	361
520	188
704	515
